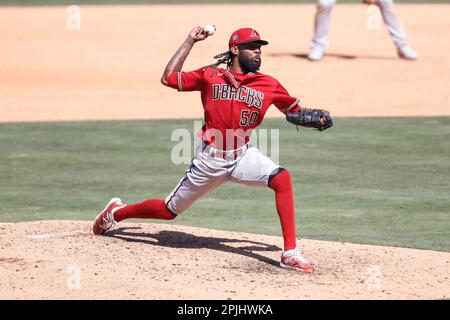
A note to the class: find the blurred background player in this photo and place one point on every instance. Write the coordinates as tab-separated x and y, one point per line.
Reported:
322	22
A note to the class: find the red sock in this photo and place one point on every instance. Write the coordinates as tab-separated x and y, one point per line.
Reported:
284	200
148	209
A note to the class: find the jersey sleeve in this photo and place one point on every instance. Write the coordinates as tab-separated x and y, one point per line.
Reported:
187	81
284	101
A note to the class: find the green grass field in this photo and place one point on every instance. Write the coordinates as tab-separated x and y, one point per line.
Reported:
366	180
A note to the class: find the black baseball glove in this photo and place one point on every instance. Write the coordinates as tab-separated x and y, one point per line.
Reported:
310	118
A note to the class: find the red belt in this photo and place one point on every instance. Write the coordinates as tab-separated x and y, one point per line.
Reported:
224	154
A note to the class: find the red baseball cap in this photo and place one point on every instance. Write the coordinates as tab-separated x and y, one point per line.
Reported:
245	35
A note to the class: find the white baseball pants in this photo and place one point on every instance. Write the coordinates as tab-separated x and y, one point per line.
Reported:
209	169
322	23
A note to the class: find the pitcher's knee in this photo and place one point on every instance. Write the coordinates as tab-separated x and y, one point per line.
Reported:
171	216
168	213
280	180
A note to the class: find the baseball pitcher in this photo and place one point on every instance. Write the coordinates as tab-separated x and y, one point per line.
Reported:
235	100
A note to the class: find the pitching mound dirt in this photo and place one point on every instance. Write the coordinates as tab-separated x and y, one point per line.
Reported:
63	260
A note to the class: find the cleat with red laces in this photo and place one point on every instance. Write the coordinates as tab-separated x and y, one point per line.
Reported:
105	220
293	259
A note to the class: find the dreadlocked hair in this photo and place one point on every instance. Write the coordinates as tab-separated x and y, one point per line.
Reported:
224	57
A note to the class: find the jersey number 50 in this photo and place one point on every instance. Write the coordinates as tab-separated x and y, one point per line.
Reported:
248	118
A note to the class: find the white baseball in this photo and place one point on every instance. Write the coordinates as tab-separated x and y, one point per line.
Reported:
210	29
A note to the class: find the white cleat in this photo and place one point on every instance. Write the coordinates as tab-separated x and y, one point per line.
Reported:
315	54
406	52
293	259
105	219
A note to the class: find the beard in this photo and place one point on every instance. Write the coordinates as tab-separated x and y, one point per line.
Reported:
248	65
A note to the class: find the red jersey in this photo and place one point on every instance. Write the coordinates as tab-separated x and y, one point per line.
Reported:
234	104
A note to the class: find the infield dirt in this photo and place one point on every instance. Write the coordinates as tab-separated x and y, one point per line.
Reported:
110	69
62	260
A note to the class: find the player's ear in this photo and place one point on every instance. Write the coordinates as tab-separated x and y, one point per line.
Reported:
234	50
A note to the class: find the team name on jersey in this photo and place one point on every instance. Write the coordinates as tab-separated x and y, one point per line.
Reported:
249	96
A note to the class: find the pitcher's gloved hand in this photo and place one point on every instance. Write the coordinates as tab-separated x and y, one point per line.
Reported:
310	118
369	1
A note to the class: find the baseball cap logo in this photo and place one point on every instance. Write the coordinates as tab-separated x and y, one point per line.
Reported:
245	35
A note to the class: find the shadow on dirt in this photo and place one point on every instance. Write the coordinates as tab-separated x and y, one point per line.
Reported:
177	239
333	55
